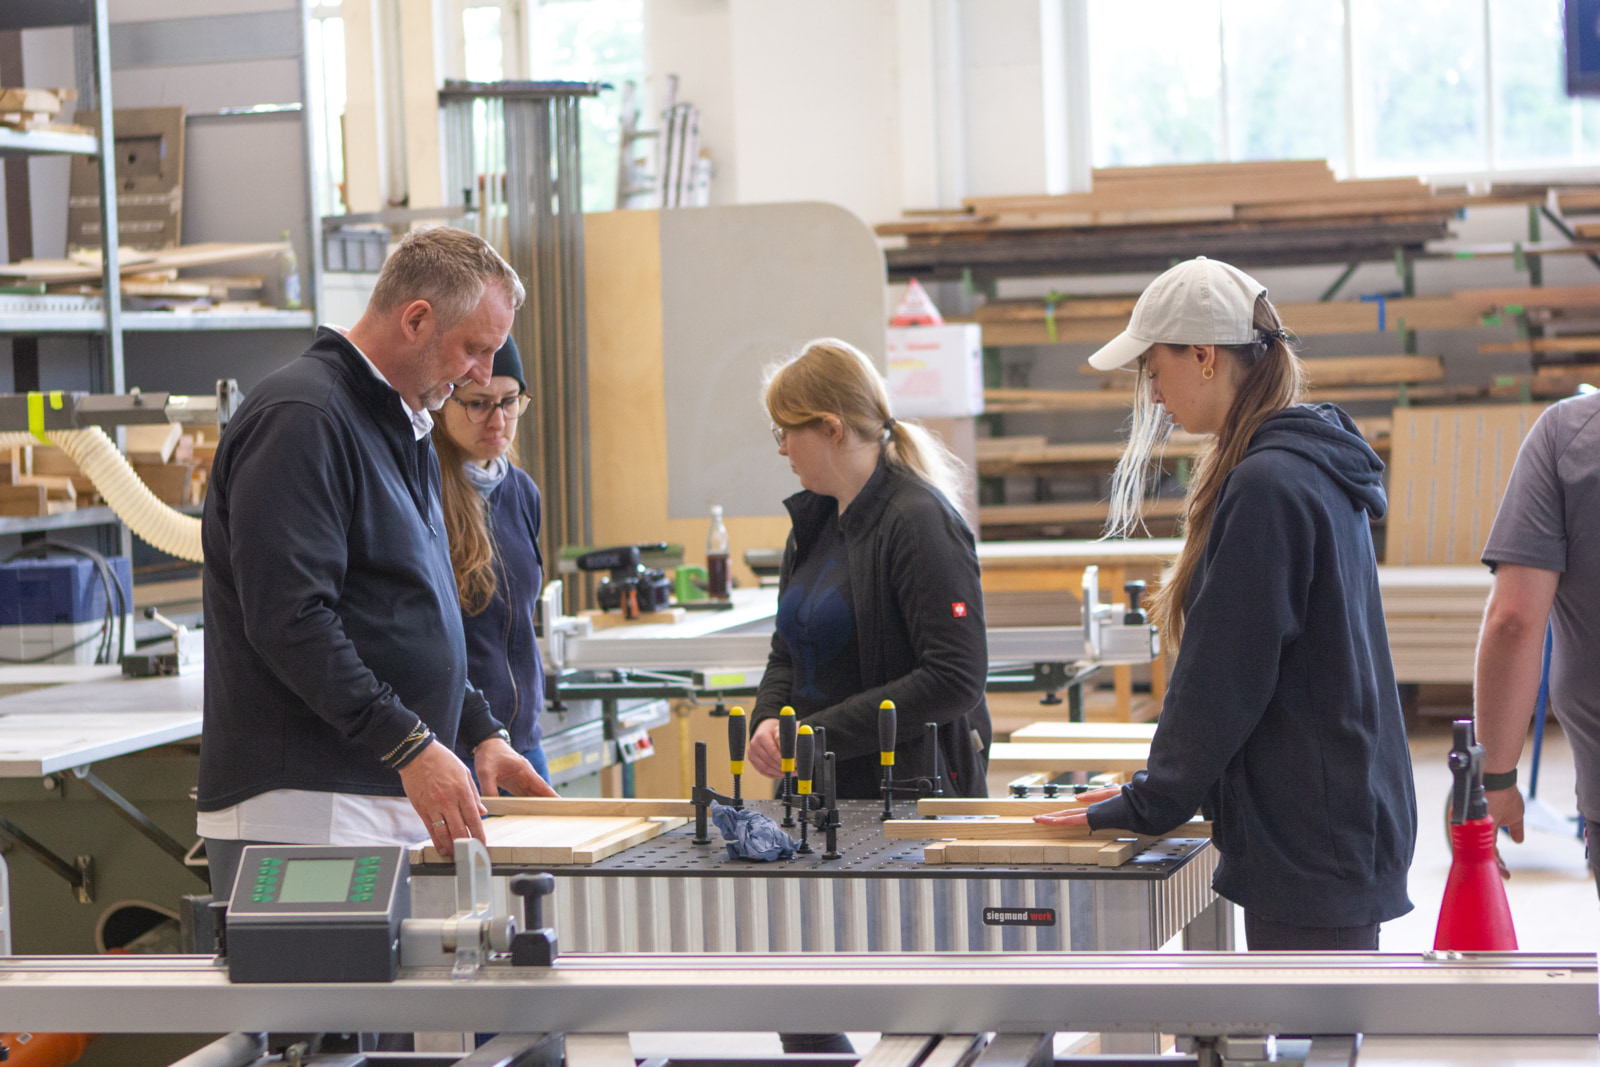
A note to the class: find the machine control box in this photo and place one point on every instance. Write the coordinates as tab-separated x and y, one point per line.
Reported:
318	913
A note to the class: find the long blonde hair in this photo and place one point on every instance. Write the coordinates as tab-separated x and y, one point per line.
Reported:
472	548
833	377
1271	378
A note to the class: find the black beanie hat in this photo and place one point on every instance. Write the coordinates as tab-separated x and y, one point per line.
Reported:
508	363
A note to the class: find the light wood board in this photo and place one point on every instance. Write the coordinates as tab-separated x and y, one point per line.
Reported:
538	839
586	806
1448	469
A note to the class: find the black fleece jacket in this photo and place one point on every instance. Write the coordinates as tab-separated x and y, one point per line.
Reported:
332	623
919	627
1282	720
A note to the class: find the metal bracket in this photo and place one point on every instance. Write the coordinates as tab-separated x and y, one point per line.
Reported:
140	821
79	876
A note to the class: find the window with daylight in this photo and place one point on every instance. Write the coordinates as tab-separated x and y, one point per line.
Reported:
564	40
325	62
1433	87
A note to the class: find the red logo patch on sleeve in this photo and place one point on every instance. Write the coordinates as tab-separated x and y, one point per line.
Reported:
959	610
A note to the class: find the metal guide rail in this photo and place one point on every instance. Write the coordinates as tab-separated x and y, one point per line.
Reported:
1193	994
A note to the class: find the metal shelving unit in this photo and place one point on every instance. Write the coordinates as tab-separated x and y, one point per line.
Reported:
90	16
164	42
47	322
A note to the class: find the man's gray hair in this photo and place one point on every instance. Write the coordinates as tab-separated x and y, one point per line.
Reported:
447	267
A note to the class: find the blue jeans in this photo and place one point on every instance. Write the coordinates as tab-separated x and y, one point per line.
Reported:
536	757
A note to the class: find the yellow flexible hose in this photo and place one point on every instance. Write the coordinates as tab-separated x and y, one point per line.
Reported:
96	455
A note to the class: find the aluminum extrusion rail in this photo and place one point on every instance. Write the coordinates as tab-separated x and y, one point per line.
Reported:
1033	644
1197	993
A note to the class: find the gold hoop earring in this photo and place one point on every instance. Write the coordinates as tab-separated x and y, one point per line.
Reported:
1208	373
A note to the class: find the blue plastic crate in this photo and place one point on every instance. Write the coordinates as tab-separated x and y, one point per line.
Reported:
63	589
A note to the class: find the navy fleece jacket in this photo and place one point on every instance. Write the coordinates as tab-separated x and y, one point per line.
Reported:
332	621
1282	720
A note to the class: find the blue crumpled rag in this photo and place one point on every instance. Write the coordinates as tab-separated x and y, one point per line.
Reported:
751	835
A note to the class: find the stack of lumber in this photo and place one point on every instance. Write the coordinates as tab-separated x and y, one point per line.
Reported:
1143	218
1003	831
149	278
1433	615
172	460
560	830
38	109
1068	319
1032	456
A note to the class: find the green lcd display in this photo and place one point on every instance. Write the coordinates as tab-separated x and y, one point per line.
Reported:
316	881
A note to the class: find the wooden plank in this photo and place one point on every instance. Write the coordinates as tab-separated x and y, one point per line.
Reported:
1008	851
606	620
933	852
1053	514
611	844
1356	370
1485	301
85	266
585	806
1306	320
24	500
999	828
1569	343
49	100
1120	851
1006	806
999	447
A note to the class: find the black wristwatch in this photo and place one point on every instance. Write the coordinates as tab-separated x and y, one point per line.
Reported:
502	733
1493	783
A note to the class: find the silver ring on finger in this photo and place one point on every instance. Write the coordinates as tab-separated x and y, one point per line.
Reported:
439	822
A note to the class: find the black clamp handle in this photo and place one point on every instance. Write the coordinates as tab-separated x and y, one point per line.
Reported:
1135	615
535	944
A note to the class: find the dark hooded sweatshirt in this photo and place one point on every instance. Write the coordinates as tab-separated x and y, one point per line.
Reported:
1282	719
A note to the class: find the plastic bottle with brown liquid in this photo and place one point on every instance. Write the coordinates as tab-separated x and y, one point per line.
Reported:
718	584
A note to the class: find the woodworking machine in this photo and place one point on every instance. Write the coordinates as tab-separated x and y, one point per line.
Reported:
299	959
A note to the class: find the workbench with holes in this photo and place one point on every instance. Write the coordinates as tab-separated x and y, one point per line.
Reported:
668	894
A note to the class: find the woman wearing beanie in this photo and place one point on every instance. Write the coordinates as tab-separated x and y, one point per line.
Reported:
491	512
1282	717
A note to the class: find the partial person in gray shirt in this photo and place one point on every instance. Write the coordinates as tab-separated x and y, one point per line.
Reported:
1544	550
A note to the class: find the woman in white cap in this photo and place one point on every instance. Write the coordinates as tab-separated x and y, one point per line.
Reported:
1282	719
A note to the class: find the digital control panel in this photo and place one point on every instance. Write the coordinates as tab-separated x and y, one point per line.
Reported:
323	913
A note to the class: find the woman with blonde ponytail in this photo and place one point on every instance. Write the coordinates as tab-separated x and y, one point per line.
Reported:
878	594
1282	718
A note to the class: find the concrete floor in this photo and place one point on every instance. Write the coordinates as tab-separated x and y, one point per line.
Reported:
1552	895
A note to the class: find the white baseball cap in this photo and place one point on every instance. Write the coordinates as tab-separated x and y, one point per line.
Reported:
1199	302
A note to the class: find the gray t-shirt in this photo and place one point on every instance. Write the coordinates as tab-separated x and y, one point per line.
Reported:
1550	519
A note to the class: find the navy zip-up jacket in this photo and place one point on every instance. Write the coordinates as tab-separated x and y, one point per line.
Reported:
919	630
502	655
332	622
1282	719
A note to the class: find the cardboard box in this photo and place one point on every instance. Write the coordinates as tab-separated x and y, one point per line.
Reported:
149	144
936	371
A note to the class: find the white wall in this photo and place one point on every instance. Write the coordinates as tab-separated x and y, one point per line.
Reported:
876	105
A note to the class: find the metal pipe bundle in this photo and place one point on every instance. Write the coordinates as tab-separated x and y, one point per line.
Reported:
513	151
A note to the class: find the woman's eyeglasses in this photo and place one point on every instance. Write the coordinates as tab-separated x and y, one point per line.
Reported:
479	410
779	433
